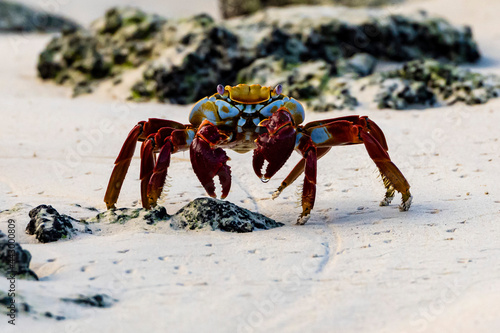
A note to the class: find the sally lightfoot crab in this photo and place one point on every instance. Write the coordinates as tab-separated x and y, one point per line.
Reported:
245	118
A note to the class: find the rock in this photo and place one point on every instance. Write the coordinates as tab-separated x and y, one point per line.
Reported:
14	259
305	49
7	301
425	82
231	8
199	213
49	226
336	96
281	44
313	83
360	65
124	38
217	214
73	58
123	215
16	17
97	301
203	54
311	33
399	94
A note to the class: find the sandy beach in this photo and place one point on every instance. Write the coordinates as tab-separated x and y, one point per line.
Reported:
354	267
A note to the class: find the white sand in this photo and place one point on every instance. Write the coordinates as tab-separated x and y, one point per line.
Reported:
354	267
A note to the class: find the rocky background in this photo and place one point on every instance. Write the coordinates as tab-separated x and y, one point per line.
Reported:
15	17
231	8
319	56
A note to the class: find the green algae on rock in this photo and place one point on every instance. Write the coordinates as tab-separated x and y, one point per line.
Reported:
123	39
198	54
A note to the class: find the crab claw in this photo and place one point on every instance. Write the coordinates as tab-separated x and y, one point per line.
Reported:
276	145
208	161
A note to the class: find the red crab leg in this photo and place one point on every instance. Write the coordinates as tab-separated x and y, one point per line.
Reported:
169	141
153	173
363	121
391	175
307	148
374	130
147	165
139	133
297	171
159	174
344	132
209	161
121	166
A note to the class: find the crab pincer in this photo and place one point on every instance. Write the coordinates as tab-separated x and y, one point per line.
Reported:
209	161
275	145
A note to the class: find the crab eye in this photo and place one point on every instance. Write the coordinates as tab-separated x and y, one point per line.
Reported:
278	89
220	89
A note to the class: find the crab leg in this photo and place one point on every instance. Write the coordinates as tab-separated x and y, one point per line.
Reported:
392	177
122	164
159	174
153	172
297	171
147	165
345	132
139	133
309	152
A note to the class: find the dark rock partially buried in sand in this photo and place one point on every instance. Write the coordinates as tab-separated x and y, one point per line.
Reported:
201	213
48	225
218	214
14	259
123	215
16	17
97	301
6	302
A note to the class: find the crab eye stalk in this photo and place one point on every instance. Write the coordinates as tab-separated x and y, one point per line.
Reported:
278	89
220	89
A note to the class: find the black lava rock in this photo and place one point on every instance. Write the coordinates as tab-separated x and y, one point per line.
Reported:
425	82
14	259
183	60
122	39
16	17
48	225
206	54
123	215
218	214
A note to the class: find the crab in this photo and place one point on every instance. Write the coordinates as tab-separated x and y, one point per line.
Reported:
245	118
